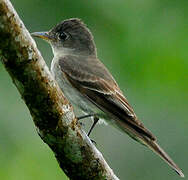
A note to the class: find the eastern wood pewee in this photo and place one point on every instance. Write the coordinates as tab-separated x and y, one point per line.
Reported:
89	86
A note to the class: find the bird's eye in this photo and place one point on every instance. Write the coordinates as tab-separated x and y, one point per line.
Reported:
62	36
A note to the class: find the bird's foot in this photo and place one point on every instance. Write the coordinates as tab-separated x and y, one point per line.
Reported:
93	141
81	124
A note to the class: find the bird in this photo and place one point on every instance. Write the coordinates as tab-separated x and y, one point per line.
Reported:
90	87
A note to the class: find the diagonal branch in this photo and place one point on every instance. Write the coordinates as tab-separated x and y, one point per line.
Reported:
52	114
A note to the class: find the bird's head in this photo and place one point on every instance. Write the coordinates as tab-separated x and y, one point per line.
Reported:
69	36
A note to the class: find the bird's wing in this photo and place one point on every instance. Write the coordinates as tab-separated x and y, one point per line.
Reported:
94	81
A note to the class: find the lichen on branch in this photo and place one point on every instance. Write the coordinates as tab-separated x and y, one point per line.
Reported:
52	114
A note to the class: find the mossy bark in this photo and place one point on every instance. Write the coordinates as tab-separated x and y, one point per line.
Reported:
52	114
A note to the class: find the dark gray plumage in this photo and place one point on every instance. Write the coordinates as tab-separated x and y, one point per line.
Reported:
88	84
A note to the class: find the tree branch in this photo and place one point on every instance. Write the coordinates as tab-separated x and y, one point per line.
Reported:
52	114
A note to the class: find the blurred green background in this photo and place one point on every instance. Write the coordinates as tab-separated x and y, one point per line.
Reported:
144	43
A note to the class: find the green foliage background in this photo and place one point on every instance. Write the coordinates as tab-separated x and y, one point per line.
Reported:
144	43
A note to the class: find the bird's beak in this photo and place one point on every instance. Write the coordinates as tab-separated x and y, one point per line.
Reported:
42	35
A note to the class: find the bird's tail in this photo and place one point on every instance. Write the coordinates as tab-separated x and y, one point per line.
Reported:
159	151
149	141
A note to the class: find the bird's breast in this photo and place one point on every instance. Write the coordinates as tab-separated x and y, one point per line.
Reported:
72	94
